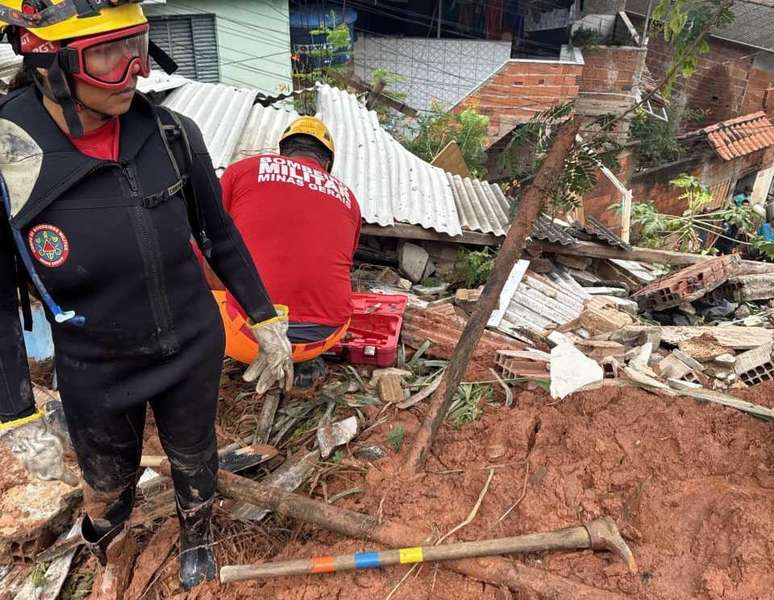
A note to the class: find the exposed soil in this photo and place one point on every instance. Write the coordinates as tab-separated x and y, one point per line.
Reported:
690	485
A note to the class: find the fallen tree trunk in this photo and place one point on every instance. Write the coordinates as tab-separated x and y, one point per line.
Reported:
495	571
510	252
648	255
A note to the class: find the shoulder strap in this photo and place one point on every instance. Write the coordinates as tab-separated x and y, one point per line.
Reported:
175	138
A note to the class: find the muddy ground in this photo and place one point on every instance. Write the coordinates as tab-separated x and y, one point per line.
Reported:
690	485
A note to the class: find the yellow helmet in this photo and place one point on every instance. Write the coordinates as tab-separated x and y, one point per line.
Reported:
313	127
109	18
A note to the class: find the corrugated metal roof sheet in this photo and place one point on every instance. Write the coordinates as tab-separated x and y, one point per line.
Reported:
548	231
738	137
391	183
537	302
262	132
159	81
594	230
220	111
481	206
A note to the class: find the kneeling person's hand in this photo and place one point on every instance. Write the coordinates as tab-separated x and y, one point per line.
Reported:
275	357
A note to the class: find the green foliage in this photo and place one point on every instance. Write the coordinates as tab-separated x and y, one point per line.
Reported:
395	437
474	266
438	127
764	246
657	144
585	38
686	24
681	233
320	59
529	143
466	406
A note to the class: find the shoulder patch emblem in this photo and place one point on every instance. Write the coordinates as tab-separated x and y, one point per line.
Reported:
49	245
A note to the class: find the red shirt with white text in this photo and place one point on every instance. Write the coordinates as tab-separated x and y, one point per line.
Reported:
301	226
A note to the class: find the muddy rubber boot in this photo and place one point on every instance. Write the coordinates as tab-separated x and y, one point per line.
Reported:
197	555
116	552
308	378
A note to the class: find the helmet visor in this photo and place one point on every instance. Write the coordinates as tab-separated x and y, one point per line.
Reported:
108	59
110	62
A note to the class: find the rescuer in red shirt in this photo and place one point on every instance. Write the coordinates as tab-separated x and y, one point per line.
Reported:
301	226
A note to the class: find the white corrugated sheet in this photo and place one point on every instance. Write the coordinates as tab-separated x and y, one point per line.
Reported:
220	111
159	81
391	183
481	206
263	130
536	302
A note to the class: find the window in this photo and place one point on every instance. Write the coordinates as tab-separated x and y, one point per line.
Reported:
191	40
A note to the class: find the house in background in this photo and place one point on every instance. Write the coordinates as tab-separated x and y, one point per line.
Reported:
735	78
245	43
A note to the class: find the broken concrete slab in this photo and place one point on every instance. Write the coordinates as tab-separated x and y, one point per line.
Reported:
622	304
601	349
670	367
688	360
688	284
600	318
570	370
747	288
413	260
704	348
731	336
641	358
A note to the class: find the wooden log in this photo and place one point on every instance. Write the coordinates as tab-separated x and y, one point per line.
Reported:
649	255
509	254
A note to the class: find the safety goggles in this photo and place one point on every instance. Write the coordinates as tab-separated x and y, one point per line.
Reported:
107	60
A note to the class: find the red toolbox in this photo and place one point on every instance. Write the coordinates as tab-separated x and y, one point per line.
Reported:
372	337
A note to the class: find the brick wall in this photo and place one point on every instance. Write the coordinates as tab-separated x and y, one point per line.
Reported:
612	69
759	92
719	175
521	89
726	83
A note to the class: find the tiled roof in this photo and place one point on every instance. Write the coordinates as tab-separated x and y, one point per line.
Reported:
740	136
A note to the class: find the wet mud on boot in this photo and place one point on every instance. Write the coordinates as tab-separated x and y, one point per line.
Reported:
197	555
308	377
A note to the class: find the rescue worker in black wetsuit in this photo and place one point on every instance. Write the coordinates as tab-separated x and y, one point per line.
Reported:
109	240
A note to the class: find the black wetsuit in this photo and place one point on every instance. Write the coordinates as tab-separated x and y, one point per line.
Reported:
109	244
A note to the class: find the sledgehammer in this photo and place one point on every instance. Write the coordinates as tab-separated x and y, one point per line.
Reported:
600	534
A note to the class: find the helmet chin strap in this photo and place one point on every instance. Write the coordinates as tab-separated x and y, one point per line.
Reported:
58	91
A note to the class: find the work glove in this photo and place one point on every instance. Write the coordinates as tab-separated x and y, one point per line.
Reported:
275	357
37	449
